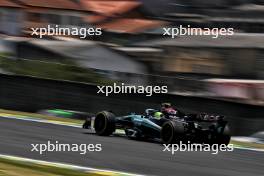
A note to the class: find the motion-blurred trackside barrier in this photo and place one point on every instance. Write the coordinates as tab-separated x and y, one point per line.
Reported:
246	90
32	94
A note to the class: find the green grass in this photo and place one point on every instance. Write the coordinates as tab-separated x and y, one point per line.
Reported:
4	54
40	116
17	168
67	70
248	144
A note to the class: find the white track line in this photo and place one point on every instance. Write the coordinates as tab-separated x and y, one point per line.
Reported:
66	166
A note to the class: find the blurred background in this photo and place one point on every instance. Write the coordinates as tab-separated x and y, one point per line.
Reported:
132	48
55	79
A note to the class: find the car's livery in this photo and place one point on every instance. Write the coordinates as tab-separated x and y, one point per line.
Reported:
196	128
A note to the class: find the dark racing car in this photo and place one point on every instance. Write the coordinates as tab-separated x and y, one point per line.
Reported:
169	125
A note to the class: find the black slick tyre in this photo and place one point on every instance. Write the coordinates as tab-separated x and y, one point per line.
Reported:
104	123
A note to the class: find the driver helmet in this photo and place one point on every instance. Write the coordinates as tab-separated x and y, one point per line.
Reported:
166	105
158	115
150	112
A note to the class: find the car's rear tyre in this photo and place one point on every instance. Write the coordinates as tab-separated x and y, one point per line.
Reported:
172	132
223	136
104	123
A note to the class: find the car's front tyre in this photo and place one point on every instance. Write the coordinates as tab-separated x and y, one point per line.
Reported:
104	123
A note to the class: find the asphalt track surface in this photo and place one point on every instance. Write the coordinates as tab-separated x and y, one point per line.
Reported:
122	154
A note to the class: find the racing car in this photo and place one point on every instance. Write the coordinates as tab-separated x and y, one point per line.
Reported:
172	128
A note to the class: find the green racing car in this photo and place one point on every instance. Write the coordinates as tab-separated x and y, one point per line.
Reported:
167	125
